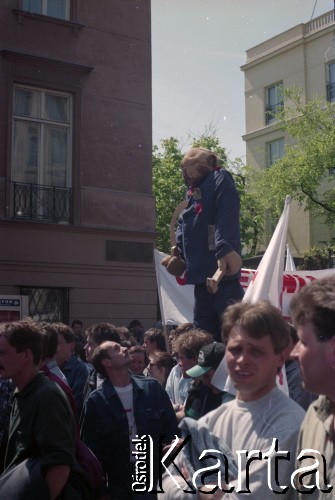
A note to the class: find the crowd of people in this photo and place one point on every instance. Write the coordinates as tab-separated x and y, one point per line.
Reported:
113	412
73	403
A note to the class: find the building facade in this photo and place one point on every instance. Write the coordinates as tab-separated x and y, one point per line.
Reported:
77	215
302	57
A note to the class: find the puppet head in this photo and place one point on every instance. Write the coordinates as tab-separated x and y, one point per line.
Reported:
196	165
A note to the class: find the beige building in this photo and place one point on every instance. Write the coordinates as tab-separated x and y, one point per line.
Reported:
302	57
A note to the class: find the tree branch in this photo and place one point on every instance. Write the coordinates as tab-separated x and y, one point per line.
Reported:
317	202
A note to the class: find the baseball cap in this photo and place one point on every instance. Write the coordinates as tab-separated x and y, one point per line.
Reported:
209	357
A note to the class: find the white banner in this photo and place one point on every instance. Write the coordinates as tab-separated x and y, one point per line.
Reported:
176	301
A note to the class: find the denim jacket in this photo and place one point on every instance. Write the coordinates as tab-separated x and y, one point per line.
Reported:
105	425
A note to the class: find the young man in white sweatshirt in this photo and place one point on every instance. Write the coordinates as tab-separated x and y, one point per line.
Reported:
260	427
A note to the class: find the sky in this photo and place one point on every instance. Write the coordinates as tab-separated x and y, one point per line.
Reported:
198	47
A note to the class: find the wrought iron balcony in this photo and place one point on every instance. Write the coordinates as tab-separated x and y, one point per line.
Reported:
331	92
37	202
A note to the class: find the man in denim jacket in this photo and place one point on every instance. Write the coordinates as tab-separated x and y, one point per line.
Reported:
123	408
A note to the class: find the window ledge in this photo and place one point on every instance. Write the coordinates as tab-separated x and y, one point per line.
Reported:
31	59
22	14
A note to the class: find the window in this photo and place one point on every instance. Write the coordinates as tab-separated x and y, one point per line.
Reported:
47	304
52	8
41	153
331	84
275	151
275	103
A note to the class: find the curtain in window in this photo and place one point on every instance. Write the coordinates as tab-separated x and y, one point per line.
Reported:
276	150
41	148
57	108
25	152
55	147
27	103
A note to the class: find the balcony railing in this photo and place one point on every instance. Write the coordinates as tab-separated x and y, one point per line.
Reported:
37	202
331	92
319	23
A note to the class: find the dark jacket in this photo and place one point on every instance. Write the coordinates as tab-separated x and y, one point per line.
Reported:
209	227
41	435
76	373
90	386
201	400
105	427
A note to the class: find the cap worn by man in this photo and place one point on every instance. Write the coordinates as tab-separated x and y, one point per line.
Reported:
209	358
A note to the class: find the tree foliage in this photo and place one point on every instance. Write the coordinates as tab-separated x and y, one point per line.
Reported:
306	171
168	187
169	190
319	257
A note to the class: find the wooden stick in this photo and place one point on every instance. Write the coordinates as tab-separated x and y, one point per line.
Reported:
179	208
213	282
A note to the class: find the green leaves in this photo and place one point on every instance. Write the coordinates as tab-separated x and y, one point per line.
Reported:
168	187
306	171
169	190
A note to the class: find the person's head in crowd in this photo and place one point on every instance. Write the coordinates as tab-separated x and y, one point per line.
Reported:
313	314
209	358
187	347
21	346
77	327
126	343
160	365
50	342
97	334
66	343
154	340
292	341
139	359
256	337
125	334
109	358
184	327
293	334
137	330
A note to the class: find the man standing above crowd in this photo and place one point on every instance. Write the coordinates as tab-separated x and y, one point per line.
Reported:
313	314
257	338
39	461
123	407
208	238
